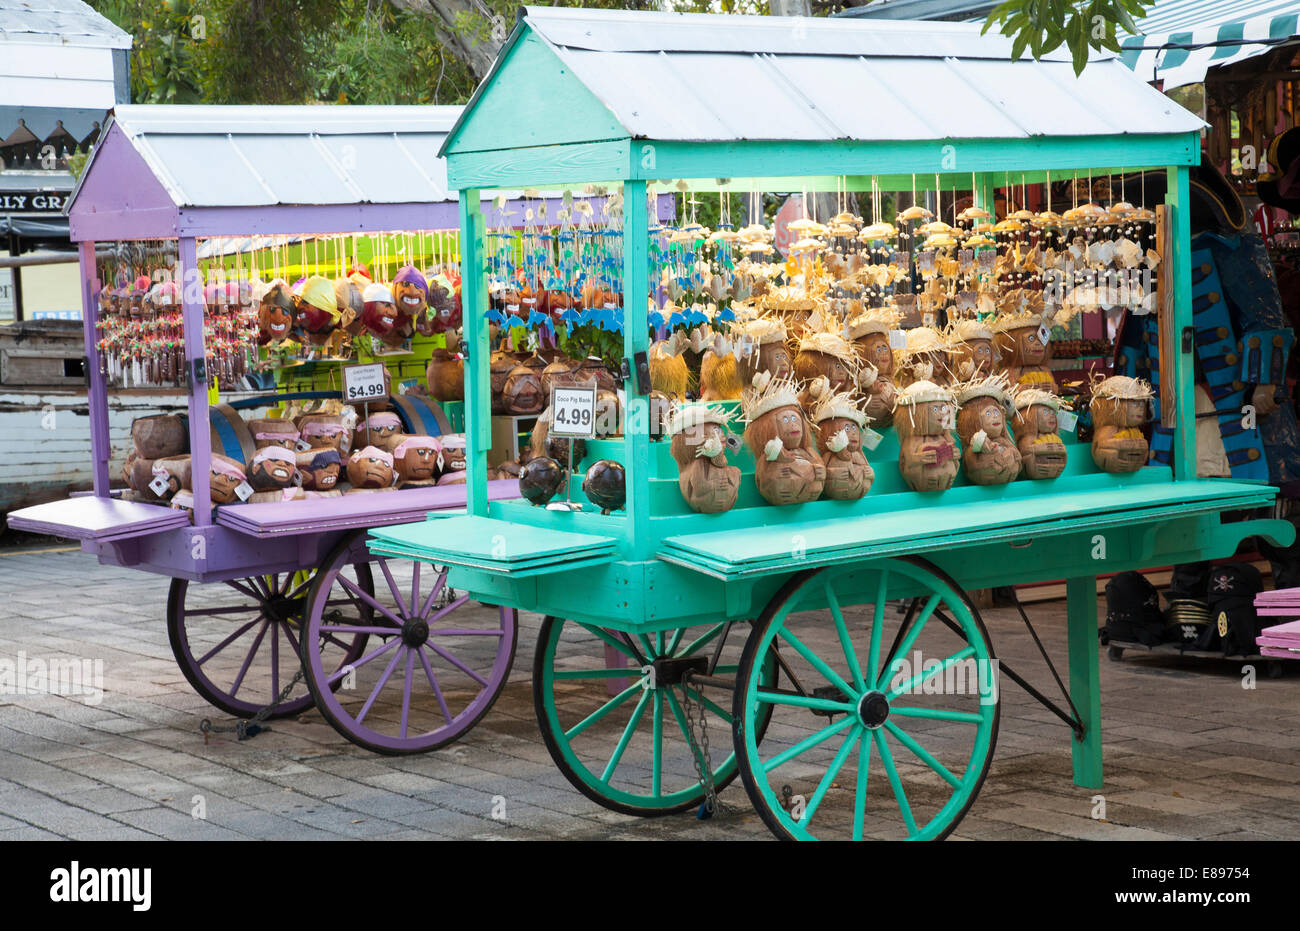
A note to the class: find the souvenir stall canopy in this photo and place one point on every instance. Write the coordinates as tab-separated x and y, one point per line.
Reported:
680	532
260	193
758	104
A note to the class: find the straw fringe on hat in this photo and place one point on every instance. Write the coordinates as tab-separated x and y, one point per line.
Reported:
968	328
768	394
689	416
922	339
843	404
1006	322
994	386
763	330
1031	396
876	320
1123	388
922	392
832	344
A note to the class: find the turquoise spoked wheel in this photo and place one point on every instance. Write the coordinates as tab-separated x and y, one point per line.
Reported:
612	710
886	720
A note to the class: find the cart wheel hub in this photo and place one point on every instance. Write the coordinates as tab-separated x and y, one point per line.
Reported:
283	609
415	632
873	709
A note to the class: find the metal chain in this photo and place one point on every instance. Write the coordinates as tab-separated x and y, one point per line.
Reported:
251	727
700	750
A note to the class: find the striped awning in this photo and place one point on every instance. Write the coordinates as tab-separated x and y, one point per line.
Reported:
1182	39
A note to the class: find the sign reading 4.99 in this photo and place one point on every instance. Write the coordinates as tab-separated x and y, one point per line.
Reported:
364	382
573	411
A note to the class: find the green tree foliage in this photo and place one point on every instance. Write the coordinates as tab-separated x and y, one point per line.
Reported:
286	52
1042	26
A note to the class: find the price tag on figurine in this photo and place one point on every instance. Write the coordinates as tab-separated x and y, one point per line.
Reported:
364	382
244	491
1067	420
303	446
1044	334
871	439
573	411
897	339
158	485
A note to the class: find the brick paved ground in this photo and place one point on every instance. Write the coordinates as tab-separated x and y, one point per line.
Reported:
1189	752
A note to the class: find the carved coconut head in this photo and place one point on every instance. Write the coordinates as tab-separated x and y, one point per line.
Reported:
378	314
275	313
831	426
370	468
225	476
410	291
874	349
981	413
322	470
417	458
272	467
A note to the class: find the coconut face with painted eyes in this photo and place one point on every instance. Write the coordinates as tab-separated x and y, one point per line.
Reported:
972	358
874	349
370	468
933	417
417	460
834	425
410	292
1031	349
269	471
275	314
790	427
322	471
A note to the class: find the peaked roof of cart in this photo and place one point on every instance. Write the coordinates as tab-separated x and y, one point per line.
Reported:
261	156
181	161
717	78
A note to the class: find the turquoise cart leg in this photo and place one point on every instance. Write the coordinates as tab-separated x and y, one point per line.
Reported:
1081	604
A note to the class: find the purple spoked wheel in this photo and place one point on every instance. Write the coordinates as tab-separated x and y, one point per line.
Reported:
434	664
238	642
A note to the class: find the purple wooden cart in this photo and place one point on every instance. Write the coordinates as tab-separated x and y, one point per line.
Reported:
385	652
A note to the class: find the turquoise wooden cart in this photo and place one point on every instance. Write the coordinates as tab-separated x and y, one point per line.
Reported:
834	641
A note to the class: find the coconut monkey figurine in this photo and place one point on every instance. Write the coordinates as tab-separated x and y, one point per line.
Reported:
1042	452
924	359
788	469
869	332
989	454
924	418
828	361
839	429
1024	354
762	348
971	353
698	444
1120	407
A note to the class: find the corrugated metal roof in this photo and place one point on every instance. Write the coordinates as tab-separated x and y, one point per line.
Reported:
64	22
712	77
264	156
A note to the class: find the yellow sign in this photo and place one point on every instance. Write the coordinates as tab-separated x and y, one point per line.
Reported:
1223	623
213	393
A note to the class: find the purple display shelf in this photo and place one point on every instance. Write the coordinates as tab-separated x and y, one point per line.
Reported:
97	520
351	512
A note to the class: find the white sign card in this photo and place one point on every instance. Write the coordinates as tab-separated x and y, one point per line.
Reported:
364	382
573	411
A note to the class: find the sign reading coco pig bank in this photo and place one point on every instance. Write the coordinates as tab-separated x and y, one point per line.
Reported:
32	201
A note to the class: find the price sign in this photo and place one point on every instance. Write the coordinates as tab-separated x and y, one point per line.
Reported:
1067	420
364	382
573	411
